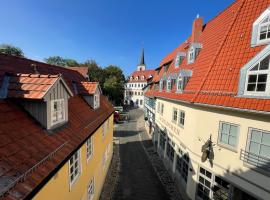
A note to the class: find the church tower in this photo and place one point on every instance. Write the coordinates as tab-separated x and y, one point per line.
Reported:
141	66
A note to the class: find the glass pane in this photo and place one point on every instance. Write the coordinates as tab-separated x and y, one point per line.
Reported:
232	141
208	174
254	147
263	29
252	78
256	136
264	63
207	183
263	36
233	130
266	138
255	68
251	87
225	128
262	78
261	87
265	20
225	138
265	151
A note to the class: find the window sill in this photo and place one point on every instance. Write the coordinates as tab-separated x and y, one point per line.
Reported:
71	184
233	149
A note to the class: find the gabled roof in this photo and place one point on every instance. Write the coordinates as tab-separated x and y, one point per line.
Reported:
24	144
86	88
31	86
226	48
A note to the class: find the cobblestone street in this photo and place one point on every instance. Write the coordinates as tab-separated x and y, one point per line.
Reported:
136	171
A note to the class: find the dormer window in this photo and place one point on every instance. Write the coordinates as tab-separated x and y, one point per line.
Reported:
179	59
131	78
96	101
261	29
264	29
136	78
193	52
183	79
142	78
257	80
169	84
57	111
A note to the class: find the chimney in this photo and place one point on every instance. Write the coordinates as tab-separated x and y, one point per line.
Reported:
34	67
197	29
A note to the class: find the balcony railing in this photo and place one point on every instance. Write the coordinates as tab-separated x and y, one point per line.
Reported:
260	162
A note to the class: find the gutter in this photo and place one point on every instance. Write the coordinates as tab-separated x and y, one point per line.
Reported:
220	107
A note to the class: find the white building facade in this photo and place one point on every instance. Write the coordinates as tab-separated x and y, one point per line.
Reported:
212	106
134	93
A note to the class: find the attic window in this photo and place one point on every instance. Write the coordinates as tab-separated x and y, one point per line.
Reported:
169	84
179	59
264	29
136	78
193	52
142	78
96	101
261	29
58	111
183	79
257	79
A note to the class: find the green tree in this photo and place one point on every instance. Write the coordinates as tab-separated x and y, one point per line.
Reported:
114	84
96	73
11	50
71	63
56	60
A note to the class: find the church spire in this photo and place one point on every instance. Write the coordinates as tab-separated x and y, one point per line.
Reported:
142	58
141	66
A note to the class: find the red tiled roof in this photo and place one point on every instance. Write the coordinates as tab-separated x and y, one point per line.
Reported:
82	70
145	73
87	87
24	143
30	86
225	50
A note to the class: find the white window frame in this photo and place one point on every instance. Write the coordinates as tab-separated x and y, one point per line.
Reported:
227	145
91	189
258	72
169	84
173	115
249	141
182	118
267	24
89	148
58	111
191	55
79	166
180	83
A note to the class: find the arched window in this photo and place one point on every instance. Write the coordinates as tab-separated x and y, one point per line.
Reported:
257	79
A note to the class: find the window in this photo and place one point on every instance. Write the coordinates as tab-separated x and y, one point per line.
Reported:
164	84
96	101
162	140
169	85
170	152
158	107
191	55
257	77
105	128
141	102
89	148
228	134
74	167
180	84
174	115
258	147
162	109
91	189
182	164
179	59
264	29
58	111
181	117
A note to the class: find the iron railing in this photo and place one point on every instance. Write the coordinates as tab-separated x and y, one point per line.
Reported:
256	160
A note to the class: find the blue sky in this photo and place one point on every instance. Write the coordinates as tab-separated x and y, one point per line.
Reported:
108	31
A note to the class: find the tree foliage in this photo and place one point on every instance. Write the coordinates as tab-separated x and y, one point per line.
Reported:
11	50
110	78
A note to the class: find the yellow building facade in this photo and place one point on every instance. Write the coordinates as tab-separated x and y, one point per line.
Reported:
94	158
